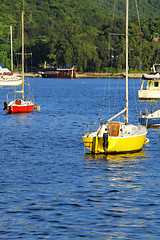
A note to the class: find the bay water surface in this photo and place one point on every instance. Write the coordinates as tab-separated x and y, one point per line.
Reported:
51	189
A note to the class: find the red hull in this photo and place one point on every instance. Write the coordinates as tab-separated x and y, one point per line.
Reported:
20	109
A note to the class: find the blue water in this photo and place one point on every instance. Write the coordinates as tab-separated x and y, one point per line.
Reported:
50	189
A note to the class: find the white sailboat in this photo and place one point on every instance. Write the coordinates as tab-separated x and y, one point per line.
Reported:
7	77
20	105
117	137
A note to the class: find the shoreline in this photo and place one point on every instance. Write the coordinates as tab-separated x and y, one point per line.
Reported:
109	75
92	75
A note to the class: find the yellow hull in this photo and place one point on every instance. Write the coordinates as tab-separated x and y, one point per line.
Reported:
115	144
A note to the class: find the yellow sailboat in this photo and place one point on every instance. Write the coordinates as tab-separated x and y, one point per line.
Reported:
113	136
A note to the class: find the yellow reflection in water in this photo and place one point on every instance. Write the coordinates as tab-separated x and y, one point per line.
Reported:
119	186
118	157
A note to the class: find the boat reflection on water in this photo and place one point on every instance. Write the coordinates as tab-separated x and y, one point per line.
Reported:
21	119
21	114
137	156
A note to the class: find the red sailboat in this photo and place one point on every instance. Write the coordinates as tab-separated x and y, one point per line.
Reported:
20	105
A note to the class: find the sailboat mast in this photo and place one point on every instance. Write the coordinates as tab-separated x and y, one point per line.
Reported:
126	61
11	49
22	55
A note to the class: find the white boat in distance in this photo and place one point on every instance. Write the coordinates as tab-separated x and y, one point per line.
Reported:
5	71
7	77
150	119
150	87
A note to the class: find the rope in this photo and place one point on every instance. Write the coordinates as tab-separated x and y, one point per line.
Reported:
135	98
140	31
116	93
138	15
104	97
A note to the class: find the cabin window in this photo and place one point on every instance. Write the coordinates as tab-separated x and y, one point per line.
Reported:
150	84
156	84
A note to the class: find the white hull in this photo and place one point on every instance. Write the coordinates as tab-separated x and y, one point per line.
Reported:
10	81
149	94
151	76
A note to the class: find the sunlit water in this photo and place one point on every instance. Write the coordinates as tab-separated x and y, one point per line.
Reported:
50	189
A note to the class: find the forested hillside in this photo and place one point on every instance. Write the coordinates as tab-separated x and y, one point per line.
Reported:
81	32
147	8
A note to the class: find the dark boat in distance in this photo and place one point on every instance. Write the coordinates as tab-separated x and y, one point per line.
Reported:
66	72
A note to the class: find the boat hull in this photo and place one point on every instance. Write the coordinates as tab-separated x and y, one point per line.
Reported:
149	94
150	122
151	76
115	144
10	82
19	106
20	109
56	75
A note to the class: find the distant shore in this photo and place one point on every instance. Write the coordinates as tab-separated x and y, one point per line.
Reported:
93	75
108	75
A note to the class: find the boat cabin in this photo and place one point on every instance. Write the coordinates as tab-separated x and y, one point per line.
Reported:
150	87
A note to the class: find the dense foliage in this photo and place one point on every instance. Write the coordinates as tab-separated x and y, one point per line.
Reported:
81	32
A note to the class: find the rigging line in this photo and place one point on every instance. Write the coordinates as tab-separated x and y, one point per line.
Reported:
109	96
104	96
140	32
113	27
116	93
114	8
108	64
138	15
135	97
103	102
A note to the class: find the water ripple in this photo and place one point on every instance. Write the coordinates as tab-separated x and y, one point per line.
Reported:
50	189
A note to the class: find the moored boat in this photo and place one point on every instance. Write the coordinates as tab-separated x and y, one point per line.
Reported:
150	119
155	74
20	105
5	71
150	87
60	73
10	81
117	137
7	77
